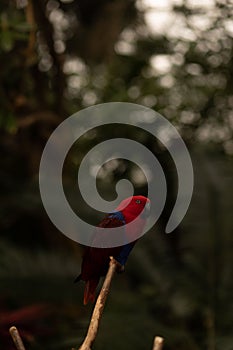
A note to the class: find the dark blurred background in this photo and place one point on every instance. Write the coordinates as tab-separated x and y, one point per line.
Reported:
174	56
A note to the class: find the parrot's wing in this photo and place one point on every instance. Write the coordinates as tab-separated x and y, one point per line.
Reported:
112	220
117	219
96	259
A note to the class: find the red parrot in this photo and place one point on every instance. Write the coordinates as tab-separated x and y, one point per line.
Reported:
95	261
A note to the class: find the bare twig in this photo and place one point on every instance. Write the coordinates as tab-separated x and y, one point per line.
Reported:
99	307
96	316
16	338
158	343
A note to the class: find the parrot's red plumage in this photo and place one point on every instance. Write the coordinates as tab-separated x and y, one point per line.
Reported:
96	260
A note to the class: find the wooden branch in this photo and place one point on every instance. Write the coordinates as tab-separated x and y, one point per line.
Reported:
16	338
99	306
158	343
96	315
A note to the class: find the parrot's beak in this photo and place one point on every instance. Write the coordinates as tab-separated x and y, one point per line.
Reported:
146	211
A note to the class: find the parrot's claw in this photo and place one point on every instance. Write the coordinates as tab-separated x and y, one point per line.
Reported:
120	268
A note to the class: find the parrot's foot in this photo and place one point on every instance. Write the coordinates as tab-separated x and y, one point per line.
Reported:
120	268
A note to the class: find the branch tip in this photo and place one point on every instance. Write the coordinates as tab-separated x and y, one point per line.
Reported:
16	338
158	343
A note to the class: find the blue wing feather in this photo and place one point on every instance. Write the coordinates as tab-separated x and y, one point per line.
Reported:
117	215
124	253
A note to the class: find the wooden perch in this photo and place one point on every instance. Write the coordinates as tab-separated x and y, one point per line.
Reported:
16	338
96	315
158	343
99	306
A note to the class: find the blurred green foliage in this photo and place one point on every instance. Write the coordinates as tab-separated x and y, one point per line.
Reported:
57	57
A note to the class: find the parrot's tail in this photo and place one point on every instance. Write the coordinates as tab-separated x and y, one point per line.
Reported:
89	292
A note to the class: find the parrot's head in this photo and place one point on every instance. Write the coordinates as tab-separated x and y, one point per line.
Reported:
134	206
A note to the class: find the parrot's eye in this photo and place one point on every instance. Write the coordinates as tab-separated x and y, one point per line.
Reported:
138	201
